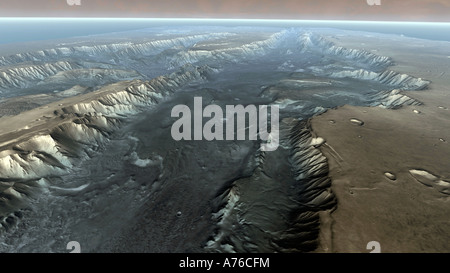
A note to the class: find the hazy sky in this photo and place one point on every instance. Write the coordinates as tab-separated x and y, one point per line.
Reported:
389	10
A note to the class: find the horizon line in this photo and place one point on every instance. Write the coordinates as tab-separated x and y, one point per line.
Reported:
225	19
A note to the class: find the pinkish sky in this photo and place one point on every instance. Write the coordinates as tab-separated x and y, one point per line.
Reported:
389	10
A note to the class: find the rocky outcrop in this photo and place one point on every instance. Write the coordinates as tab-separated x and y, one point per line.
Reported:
315	42
276	209
111	49
79	130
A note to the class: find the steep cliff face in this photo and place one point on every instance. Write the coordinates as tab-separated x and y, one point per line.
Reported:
372	67
93	65
60	73
392	78
79	130
392	99
310	41
125	49
20	76
276	209
233	54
